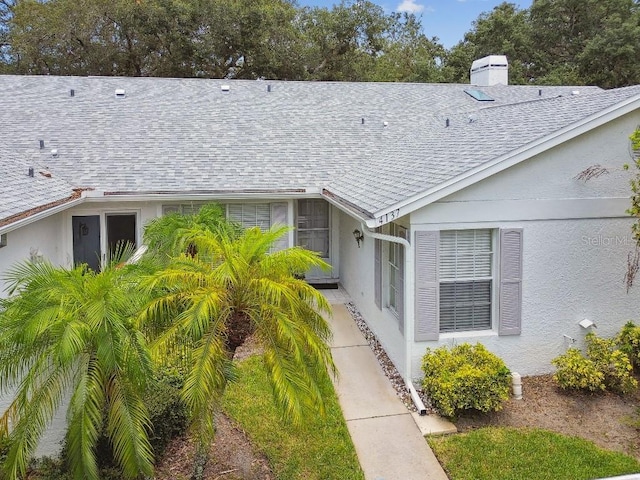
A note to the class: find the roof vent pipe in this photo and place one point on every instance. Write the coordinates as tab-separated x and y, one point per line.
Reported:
54	153
31	172
540	92
268	88
72	93
41	144
120	92
446	123
362	120
225	88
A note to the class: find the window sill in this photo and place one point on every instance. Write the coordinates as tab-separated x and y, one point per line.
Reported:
469	334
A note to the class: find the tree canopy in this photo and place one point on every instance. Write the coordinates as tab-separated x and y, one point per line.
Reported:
552	42
574	42
213	38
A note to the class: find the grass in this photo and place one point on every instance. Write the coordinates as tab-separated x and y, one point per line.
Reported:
319	450
514	454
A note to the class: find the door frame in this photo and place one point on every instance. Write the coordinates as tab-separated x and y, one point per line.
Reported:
334	238
102	213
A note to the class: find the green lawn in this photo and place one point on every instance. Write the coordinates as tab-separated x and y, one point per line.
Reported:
518	454
320	450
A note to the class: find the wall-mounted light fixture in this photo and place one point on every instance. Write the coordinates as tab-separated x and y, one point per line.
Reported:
357	234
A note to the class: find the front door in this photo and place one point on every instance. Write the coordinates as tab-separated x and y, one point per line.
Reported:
86	240
313	232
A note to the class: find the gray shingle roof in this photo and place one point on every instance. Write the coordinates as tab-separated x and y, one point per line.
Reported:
187	135
20	192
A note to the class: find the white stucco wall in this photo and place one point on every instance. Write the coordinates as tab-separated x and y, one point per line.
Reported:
576	240
357	278
43	236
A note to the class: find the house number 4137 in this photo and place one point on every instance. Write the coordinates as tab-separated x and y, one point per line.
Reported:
389	217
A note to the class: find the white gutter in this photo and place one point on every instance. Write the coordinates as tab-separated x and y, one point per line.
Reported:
409	292
43	214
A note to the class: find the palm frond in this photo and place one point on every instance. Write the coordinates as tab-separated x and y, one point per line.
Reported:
205	383
36	403
84	418
127	427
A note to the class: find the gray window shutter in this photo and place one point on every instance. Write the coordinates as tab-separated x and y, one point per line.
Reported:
377	274
427	291
280	217
402	232
510	304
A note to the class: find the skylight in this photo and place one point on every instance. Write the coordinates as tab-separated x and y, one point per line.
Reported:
479	95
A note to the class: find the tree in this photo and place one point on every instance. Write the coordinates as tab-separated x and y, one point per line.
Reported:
408	55
635	184
503	31
169	235
569	42
6	9
231	288
74	332
243	39
567	34
610	58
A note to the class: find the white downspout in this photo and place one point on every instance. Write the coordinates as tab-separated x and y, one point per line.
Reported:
409	292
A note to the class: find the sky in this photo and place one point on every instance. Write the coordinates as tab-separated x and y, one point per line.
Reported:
448	20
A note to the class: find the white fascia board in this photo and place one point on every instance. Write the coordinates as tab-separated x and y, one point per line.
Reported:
186	196
505	161
40	215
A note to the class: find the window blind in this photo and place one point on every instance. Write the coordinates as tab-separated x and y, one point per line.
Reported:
465	269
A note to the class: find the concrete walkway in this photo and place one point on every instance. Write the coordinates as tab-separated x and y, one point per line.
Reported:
388	441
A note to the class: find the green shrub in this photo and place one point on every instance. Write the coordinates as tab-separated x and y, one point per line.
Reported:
167	414
604	367
612	362
167	411
628	341
48	468
576	372
467	377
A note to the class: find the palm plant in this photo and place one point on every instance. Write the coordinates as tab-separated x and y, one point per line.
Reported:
236	286
169	234
73	334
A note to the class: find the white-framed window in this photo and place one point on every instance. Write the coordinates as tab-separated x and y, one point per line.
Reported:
3	240
466	277
250	214
182	208
395	262
313	229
